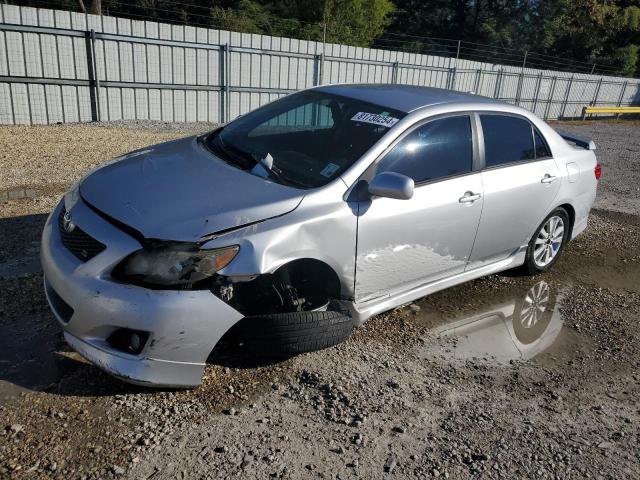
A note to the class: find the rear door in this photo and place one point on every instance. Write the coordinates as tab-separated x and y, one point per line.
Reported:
520	180
402	243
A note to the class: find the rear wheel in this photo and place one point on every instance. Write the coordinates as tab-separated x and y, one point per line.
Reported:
547	242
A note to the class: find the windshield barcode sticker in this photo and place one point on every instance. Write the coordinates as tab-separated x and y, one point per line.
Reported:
329	170
375	119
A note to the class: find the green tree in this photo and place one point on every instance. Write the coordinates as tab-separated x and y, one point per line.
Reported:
604	32
354	22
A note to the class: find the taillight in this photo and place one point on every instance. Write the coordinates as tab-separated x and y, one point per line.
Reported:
598	171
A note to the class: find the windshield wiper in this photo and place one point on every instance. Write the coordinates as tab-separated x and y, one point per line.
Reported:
265	168
232	153
247	161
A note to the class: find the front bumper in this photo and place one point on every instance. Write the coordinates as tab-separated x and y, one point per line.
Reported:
183	326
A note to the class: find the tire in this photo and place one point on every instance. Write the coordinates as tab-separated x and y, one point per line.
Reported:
282	335
533	264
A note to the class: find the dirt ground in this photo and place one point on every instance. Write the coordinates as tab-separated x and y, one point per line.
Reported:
456	385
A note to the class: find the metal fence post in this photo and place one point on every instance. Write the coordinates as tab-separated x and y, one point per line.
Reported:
566	98
552	92
597	92
225	89
519	88
27	90
476	84
451	78
622	92
221	81
319	61
594	100
394	72
455	68
535	99
496	89
521	79
94	82
621	96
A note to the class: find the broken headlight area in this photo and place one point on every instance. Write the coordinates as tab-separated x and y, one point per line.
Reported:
174	266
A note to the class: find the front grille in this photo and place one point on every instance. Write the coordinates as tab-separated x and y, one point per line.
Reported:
59	306
82	245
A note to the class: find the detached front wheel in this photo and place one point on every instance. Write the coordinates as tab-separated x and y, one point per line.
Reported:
547	242
282	335
287	334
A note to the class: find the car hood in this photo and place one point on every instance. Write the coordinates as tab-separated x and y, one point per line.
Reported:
180	191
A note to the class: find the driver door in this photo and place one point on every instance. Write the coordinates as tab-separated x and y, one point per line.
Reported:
406	243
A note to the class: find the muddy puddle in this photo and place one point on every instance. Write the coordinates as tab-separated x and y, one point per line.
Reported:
513	324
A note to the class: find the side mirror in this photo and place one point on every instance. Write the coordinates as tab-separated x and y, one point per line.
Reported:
391	185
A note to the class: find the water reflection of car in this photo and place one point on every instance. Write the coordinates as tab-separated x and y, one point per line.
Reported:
519	328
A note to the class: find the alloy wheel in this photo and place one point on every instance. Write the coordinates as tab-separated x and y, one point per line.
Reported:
548	241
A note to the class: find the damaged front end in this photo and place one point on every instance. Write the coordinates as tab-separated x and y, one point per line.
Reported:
296	287
293	310
303	285
300	286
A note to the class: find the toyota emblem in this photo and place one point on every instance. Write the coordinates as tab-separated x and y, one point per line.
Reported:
67	224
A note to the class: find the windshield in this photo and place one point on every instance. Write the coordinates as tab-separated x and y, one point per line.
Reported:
303	140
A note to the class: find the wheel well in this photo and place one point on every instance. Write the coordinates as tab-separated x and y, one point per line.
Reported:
572	216
299	285
312	273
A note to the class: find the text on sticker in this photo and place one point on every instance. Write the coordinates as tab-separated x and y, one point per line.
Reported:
375	119
329	170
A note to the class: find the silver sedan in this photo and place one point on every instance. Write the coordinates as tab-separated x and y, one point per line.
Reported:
279	232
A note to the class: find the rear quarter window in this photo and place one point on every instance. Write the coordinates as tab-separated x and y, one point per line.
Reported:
542	149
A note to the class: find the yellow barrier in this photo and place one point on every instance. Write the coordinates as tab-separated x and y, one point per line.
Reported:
616	110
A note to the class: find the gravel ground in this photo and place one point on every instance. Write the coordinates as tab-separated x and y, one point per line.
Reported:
450	386
51	158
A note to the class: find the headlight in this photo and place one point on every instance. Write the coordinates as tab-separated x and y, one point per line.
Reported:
173	265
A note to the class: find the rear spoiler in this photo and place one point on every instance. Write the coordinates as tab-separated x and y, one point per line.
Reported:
584	142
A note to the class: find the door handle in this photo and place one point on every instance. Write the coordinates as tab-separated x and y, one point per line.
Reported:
548	178
469	197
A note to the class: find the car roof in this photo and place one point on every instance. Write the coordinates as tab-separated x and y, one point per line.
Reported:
404	98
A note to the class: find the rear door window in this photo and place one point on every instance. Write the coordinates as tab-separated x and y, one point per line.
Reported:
507	140
440	148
